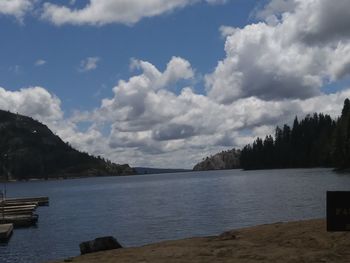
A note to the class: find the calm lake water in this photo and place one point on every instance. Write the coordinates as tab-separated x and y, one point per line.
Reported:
142	209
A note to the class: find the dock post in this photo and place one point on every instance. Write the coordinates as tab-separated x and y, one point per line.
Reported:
3	205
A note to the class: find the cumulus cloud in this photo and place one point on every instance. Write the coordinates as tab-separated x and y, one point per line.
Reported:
293	56
275	8
172	130
101	12
16	8
321	21
226	31
273	70
139	97
149	123
36	102
89	64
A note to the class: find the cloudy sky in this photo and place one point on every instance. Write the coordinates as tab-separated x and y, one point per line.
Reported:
165	83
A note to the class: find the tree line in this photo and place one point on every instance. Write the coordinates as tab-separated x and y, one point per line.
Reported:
315	141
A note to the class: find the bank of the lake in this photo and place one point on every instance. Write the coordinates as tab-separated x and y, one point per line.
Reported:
302	241
146	209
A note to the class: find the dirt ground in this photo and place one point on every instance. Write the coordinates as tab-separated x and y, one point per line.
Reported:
302	241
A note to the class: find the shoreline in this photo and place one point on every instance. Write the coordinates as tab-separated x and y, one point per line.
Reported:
61	178
298	241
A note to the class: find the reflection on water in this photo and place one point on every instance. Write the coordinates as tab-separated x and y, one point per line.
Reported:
141	209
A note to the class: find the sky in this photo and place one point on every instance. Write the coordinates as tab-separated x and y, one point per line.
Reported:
166	83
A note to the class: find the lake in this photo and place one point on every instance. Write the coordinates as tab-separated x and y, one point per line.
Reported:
143	209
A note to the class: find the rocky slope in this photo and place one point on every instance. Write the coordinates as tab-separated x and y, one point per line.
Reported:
29	149
220	161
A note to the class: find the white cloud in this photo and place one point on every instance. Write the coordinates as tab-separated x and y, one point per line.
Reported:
101	12
217	2
168	129
40	62
96	12
226	31
293	56
36	102
149	123
275	8
273	70
16	8
319	22
89	64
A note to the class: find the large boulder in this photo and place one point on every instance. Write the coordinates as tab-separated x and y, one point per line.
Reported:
99	244
220	161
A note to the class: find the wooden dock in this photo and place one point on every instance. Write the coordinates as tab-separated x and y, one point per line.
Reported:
40	201
5	232
19	220
20	211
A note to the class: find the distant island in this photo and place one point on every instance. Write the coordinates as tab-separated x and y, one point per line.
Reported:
29	149
315	141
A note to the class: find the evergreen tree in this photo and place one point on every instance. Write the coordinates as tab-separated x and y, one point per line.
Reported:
315	141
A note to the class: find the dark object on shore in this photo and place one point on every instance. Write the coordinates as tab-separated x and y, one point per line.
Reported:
229	235
338	211
5	232
99	244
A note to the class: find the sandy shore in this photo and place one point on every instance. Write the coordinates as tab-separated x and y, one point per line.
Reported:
303	241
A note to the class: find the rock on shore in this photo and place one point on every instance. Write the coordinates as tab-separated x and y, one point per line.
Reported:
294	242
220	161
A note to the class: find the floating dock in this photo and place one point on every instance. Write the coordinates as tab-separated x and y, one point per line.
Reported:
20	211
40	201
5	232
19	220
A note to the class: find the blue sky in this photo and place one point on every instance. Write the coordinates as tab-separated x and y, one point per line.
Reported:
166	83
191	33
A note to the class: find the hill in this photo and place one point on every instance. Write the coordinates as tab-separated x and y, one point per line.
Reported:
29	149
223	160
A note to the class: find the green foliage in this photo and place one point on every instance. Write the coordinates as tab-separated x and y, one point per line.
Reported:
28	149
315	141
341	153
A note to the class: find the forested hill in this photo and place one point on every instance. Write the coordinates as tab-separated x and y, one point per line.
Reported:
28	149
315	141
